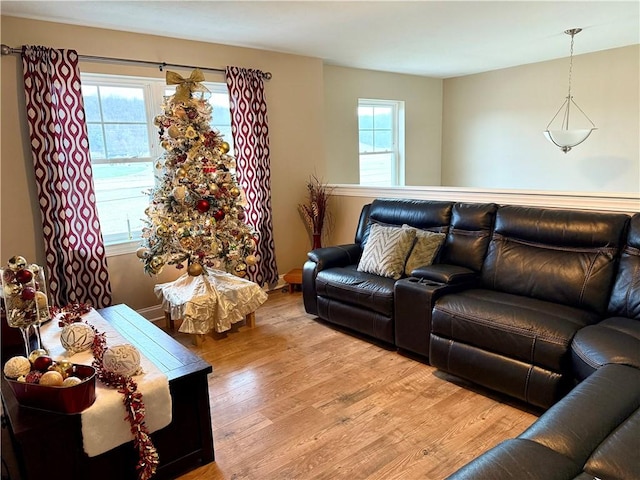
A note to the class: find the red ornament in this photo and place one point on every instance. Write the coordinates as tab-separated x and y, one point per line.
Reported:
203	206
24	276
28	293
42	363
218	215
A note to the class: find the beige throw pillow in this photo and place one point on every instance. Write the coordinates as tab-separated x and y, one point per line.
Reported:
425	248
386	250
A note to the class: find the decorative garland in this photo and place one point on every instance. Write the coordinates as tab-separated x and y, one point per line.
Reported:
147	454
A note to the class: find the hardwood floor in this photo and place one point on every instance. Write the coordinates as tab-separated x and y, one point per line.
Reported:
296	399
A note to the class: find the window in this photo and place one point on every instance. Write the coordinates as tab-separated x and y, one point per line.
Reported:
124	146
381	142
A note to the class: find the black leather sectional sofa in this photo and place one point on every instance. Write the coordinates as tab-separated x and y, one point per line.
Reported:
531	302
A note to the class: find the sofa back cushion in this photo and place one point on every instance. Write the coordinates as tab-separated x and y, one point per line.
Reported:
422	214
625	296
469	234
561	256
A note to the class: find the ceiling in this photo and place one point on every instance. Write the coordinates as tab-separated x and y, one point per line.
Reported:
431	38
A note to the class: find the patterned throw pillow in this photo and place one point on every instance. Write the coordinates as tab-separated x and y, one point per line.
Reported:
386	250
424	249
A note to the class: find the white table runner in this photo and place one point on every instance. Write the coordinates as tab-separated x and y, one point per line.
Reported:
104	424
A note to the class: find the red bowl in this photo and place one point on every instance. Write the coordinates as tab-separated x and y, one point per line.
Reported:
58	399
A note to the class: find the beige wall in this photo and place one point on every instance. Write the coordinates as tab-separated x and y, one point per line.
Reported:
294	96
423	121
493	124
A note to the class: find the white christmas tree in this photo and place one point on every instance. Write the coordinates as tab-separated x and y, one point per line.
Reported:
195	215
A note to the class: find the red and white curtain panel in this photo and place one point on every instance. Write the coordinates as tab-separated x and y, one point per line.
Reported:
250	132
74	249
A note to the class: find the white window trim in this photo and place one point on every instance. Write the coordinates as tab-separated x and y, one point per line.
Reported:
398	130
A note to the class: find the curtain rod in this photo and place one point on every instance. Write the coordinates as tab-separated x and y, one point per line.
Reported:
6	50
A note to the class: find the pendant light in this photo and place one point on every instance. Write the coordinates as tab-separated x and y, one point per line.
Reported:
564	137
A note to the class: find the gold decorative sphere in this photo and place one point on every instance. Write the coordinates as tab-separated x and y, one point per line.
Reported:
224	147
195	269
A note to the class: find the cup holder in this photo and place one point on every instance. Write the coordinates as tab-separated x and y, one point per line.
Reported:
422	281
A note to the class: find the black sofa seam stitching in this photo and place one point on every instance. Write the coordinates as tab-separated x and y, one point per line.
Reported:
554	340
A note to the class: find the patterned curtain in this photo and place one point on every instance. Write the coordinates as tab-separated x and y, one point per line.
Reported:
75	255
250	131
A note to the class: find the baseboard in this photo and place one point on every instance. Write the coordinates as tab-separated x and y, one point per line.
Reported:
156	314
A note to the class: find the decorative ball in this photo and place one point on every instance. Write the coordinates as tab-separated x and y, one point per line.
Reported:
41	300
11	289
24	276
71	381
241	215
77	337
162	230
218	215
213	188
234	191
173	131
224	147
195	269
17	366
251	260
203	205
28	293
179	193
17	262
51	379
33	376
181	173
142	252
8	275
122	360
37	353
156	262
64	366
42	363
241	269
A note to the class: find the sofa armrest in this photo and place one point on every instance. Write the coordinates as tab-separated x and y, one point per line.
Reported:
322	259
445	273
337	256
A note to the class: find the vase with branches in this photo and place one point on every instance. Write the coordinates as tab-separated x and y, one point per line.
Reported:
314	211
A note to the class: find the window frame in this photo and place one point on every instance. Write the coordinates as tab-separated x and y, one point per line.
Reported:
154	92
397	174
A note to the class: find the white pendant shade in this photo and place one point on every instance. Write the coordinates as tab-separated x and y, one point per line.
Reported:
565	139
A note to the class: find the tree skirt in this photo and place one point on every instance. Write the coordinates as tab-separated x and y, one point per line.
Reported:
212	301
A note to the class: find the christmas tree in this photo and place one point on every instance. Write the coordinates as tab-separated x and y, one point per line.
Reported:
195	215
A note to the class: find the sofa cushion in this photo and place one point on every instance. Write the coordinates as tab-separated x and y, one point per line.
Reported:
347	285
614	340
386	251
625	296
521	328
561	256
425	249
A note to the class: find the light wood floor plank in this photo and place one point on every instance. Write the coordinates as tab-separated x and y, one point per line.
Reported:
294	398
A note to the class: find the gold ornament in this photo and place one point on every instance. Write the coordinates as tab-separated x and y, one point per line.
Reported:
226	208
213	188
162	230
235	191
181	173
195	269
224	147
251	260
173	131
142	252
179	193
156	262
241	269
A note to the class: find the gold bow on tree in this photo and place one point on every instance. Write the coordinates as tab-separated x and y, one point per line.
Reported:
186	86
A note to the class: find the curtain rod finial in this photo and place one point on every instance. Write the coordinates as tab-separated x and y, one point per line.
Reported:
5	49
